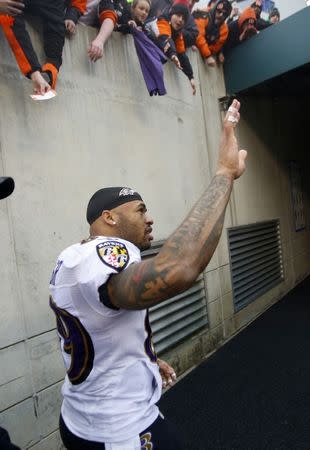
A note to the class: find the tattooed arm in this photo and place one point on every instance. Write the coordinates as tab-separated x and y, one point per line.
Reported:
189	249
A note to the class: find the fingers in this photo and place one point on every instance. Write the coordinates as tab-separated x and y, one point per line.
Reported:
70	26
47	88
211	61
221	58
15	7
167	373
168	376
95	52
40	86
176	61
169	379
41	90
14	11
132	23
242	157
192	81
232	116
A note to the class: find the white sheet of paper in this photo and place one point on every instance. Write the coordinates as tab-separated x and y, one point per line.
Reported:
50	94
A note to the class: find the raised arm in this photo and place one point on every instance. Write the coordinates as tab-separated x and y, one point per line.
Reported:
189	249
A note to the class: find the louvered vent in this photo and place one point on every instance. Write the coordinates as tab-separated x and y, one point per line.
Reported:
256	260
180	316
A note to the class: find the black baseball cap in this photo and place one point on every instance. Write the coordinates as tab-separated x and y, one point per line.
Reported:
109	198
6	186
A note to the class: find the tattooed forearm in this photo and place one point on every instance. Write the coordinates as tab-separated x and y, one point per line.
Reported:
203	218
185	254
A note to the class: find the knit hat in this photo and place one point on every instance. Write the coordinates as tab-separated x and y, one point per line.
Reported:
179	9
181	2
109	198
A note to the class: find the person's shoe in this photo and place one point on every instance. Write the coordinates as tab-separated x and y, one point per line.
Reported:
50	73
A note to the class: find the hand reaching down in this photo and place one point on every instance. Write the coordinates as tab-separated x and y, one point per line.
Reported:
70	27
11	7
40	85
176	61
193	85
95	50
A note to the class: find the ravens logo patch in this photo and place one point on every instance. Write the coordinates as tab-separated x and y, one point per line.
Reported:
114	254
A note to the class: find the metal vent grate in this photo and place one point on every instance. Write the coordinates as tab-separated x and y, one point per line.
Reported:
180	316
255	260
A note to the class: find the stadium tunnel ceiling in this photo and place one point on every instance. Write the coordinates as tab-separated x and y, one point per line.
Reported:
272	63
294	83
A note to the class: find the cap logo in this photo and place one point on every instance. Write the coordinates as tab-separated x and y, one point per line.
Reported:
126	191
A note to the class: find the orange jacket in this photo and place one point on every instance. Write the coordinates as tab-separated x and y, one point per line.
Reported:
75	9
80	5
205	49
164	29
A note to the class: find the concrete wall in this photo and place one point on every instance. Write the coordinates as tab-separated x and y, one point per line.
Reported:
103	129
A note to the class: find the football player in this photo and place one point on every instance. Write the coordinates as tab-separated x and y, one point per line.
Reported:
100	294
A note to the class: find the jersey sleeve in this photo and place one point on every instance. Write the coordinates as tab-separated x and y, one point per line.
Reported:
108	10
107	257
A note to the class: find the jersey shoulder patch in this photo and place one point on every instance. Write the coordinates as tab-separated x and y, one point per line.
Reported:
114	254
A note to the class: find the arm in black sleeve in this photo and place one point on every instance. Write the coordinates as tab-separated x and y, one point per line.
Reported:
122	24
190	32
166	44
186	65
73	14
123	28
262	24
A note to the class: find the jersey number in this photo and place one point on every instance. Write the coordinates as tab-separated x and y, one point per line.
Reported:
77	343
148	343
146	443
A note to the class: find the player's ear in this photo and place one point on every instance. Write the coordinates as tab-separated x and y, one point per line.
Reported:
108	218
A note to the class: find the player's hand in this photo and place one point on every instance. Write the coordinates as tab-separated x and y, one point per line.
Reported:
211	61
95	50
11	7
70	26
231	160
167	373
176	61
193	85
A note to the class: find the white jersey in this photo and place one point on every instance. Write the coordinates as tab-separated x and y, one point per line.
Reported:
113	380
